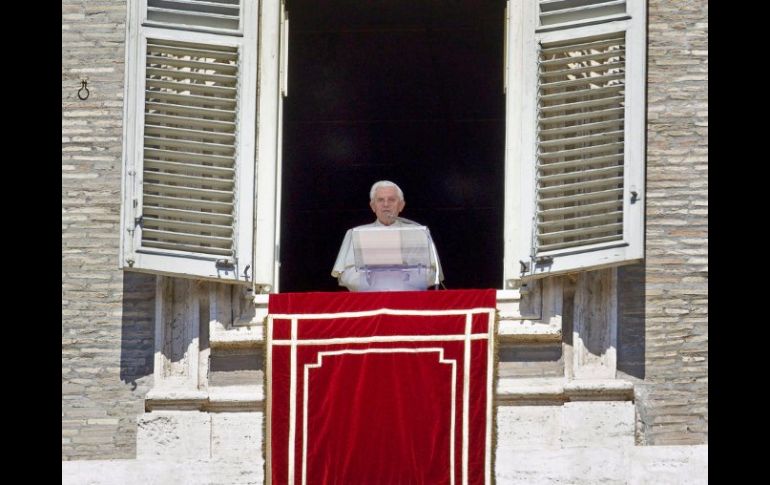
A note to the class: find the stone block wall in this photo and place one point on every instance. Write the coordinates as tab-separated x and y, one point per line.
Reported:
665	299
107	316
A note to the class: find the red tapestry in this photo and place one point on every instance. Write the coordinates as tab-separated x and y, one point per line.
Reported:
380	388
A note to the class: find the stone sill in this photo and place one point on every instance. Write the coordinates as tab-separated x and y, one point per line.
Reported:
225	398
516	324
510	391
558	389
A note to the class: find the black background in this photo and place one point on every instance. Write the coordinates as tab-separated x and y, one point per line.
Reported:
406	91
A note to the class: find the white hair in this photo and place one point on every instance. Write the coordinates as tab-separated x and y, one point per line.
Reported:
385	183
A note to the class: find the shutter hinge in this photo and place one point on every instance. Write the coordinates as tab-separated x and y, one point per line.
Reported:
225	264
524	266
544	261
138	221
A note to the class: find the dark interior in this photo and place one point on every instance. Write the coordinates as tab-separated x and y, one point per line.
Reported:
403	90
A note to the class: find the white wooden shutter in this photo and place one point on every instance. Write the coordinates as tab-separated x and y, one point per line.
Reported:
189	138
575	141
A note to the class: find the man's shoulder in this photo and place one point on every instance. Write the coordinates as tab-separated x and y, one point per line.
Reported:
401	222
362	226
408	222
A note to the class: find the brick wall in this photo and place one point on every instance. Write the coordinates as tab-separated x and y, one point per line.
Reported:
107	333
665	299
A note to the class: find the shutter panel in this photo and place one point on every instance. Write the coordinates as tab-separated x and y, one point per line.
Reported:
189	139
559	13
273	43
581	137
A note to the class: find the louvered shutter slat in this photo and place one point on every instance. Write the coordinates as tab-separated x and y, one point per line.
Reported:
187	227
612	101
581	70
191	248
200	4
187	242
215	19
592	184
191	100
224	79
194	111
584	208
590	92
212	15
581	152
233	4
566	141
189	168
582	58
595	43
218	137
220	68
613	194
181	121
217	56
585	231
153	201
581	81
585	174
190	181
200	239
598	114
584	163
550	6
581	221
583	128
173	143
199	89
179	155
191	216
585	241
565	12
174	191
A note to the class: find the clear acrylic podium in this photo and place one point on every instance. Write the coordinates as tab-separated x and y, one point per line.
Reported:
395	258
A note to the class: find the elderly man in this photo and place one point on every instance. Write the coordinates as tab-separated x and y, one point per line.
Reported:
387	201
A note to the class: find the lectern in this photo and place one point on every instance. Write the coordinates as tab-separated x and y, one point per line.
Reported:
395	258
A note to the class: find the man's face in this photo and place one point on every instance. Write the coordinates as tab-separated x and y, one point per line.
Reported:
386	205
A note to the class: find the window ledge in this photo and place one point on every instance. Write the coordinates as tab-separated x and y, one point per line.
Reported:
510	391
224	398
559	389
532	317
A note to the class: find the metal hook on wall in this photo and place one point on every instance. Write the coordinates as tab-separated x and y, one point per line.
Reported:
83	84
